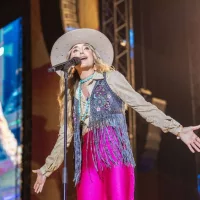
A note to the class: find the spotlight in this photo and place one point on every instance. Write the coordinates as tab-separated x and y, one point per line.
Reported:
123	43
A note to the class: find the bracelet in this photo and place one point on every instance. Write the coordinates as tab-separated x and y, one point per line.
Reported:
179	132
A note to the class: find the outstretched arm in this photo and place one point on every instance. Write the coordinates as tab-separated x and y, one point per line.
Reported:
150	112
55	159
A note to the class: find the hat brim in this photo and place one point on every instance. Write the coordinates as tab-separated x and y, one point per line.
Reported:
93	37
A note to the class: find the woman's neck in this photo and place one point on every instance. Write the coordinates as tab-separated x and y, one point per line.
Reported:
85	74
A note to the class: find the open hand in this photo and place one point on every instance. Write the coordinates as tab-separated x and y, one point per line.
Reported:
190	138
40	181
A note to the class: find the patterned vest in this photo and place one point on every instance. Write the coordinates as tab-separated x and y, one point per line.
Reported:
106	110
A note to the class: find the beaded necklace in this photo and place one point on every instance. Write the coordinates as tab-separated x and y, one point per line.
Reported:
84	115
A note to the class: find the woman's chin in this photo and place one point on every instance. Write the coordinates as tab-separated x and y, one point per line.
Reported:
85	66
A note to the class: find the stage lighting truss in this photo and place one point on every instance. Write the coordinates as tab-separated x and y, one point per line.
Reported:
117	25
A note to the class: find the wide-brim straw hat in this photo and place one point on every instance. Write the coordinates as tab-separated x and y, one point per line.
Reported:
98	40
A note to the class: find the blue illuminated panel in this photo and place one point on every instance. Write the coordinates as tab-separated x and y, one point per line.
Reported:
10	110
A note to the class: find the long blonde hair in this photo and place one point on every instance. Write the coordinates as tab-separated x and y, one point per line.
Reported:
100	66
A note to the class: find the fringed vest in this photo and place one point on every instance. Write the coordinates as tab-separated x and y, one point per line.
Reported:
106	110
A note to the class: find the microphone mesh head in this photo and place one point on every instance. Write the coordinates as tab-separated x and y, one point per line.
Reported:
76	61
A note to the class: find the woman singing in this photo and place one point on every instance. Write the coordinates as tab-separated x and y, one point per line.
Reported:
104	163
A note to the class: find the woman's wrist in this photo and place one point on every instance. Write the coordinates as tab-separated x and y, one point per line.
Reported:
178	134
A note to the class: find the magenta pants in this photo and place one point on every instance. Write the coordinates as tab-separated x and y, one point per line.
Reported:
114	183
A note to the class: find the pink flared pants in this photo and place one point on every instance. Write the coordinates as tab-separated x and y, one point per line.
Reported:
111	183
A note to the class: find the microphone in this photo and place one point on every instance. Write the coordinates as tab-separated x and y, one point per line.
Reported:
65	65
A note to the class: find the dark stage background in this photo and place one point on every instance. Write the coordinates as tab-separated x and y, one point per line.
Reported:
163	65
